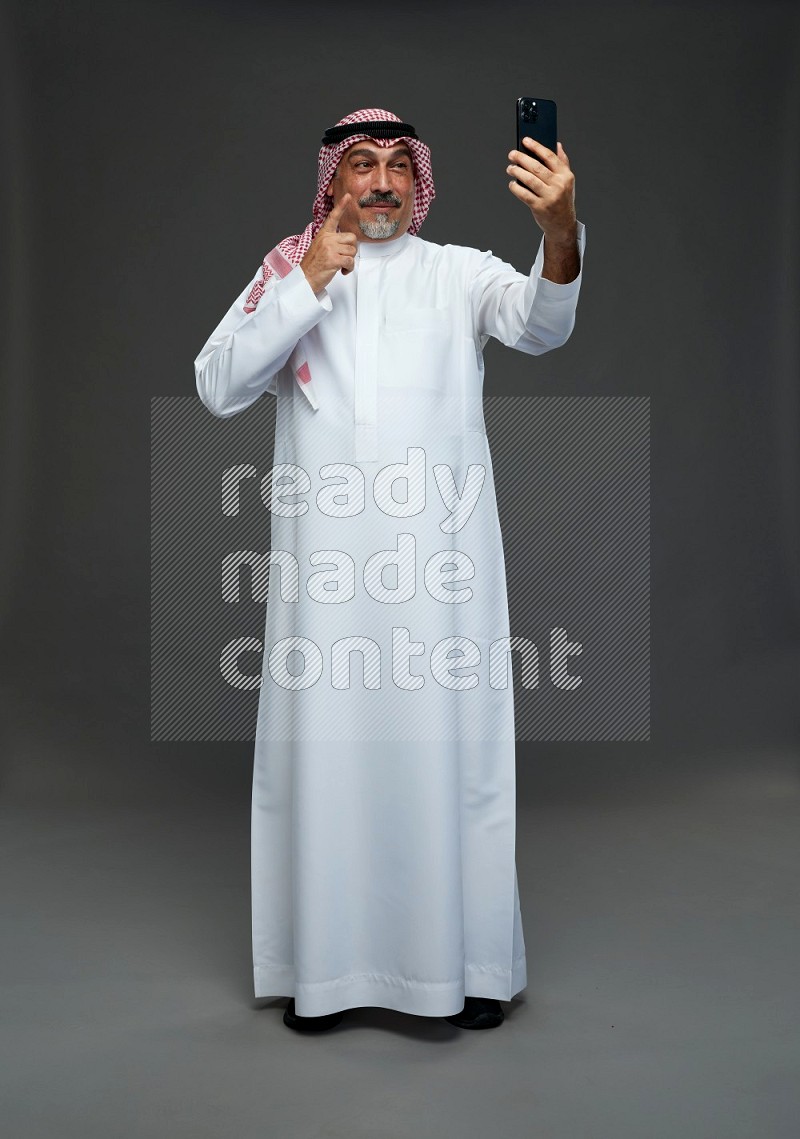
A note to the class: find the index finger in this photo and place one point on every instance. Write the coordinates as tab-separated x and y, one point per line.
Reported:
543	153
332	220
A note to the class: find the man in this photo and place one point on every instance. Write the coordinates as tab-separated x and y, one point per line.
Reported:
383	811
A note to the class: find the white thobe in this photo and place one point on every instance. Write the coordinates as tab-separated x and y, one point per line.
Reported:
383	807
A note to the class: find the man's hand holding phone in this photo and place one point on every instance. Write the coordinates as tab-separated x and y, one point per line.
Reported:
543	180
548	189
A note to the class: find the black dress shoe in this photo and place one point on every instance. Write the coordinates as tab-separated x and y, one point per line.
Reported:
309	1023
478	1012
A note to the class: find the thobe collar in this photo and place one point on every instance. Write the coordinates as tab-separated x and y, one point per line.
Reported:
367	249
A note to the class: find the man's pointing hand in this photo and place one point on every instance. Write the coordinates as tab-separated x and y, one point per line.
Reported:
330	250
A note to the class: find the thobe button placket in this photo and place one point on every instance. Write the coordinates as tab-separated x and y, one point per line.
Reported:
366	359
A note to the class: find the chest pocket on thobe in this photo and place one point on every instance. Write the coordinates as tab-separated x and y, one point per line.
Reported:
416	349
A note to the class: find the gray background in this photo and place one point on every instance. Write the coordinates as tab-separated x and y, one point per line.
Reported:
152	154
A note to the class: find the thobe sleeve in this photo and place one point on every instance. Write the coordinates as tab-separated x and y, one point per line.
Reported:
242	357
532	314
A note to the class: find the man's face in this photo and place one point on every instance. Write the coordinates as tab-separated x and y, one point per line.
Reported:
381	182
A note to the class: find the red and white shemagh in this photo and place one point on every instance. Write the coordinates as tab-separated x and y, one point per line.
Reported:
289	252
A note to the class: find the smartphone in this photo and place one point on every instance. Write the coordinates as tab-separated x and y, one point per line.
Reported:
536	119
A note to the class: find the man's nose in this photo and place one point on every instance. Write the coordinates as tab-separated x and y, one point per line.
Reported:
380	180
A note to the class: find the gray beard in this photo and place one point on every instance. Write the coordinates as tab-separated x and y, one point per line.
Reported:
383	226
